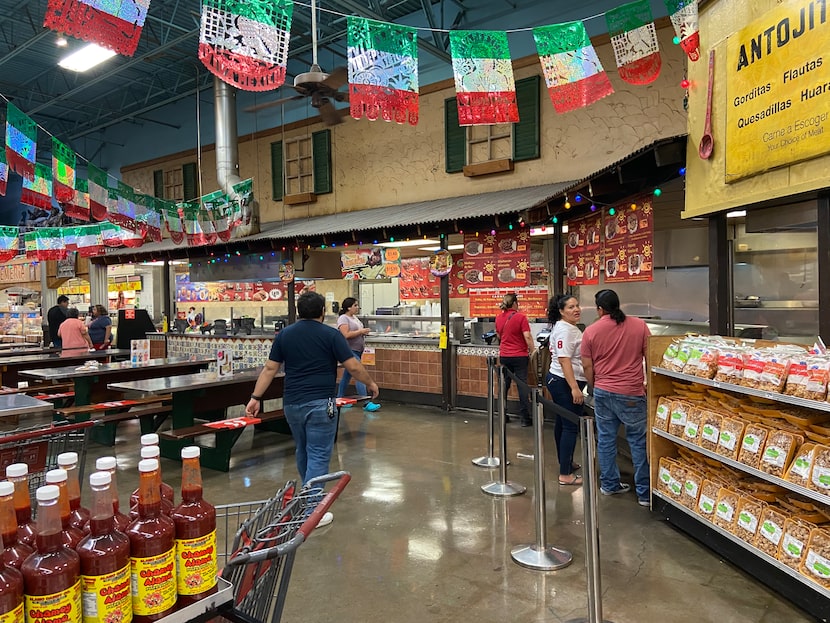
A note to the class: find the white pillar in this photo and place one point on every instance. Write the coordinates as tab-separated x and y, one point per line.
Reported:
98	284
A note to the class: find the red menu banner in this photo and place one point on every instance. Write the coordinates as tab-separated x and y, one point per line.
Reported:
499	260
417	282
582	250
629	244
226	292
533	302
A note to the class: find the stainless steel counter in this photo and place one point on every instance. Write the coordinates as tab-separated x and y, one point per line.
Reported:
19	404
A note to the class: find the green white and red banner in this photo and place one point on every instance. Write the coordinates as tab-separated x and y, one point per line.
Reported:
683	15
4	172
21	142
383	71
85	239
37	192
112	24
98	187
45	243
78	206
63	171
173	221
245	42
483	72
9	242
634	39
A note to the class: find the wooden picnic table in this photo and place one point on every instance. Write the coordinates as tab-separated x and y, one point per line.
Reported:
205	396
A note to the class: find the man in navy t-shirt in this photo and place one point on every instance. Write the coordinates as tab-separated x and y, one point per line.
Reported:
309	352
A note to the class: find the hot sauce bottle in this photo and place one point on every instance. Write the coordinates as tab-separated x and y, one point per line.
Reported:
109	464
52	574
152	440
14	552
78	516
11	593
105	560
153	452
195	522
71	536
18	474
152	550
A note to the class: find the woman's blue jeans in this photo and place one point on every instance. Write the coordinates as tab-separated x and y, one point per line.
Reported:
360	388
565	432
611	410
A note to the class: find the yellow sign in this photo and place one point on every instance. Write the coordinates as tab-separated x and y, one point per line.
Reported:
778	89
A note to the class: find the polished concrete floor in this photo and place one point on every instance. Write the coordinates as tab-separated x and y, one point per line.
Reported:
414	539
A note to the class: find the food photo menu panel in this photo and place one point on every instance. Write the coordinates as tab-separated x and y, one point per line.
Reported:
417	282
582	250
629	244
497	260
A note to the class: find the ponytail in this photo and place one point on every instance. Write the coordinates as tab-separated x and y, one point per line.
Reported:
509	301
609	302
346	304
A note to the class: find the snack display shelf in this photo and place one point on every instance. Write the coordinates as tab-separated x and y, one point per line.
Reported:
204	609
813	495
749	391
815	606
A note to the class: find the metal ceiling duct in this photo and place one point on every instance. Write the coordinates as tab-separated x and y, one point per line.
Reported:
227	155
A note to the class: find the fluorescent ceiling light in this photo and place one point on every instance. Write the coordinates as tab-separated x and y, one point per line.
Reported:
452	247
736	214
406	243
86	58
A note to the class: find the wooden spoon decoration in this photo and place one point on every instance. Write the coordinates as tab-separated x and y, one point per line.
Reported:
707	143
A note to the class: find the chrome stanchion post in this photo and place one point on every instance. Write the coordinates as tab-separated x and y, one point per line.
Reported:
502	487
589	496
539	555
489	460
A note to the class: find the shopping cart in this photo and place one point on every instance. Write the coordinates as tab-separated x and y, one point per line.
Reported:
39	447
259	556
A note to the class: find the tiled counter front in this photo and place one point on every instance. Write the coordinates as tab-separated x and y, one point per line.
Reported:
407	367
252	351
471	376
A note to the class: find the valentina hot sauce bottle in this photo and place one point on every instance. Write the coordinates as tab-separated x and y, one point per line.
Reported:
195	522
110	465
18	474
52	574
14	552
152	550
71	536
78	516
11	593
105	560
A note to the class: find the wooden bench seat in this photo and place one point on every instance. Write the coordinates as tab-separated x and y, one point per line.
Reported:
203	429
38	388
112	406
151	412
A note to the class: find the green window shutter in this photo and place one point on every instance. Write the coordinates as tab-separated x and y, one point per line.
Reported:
455	138
158	183
526	132
321	161
190	185
277	176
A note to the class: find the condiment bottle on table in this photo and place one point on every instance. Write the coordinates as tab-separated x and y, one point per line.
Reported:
52	574
79	516
11	593
18	474
14	552
71	535
195	522
152	550
109	464
105	560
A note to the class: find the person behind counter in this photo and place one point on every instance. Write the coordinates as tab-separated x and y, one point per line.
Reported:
55	317
515	346
352	329
73	334
100	328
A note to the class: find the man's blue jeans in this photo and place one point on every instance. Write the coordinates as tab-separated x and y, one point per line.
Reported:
360	388
313	432
611	410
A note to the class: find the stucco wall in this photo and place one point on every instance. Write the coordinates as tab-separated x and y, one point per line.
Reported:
377	164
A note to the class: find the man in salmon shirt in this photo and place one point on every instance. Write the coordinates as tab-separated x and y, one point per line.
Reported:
613	351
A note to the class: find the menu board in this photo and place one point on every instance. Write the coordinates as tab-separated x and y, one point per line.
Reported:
230	291
582	251
370	263
629	244
484	302
500	259
417	282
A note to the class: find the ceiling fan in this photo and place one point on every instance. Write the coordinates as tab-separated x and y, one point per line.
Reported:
321	88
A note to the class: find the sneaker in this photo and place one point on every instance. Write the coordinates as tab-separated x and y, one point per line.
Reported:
371	406
646	503
325	520
624	488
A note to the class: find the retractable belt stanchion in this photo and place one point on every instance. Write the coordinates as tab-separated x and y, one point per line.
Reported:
539	555
589	496
489	460
502	487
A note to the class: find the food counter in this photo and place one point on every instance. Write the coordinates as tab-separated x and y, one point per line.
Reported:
21	326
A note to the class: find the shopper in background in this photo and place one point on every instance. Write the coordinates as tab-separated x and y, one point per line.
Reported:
309	351
100	328
73	334
566	379
613	351
352	329
515	346
55	317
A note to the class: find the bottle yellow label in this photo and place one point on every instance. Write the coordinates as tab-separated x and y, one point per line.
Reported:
153	583
63	607
107	598
196	564
13	616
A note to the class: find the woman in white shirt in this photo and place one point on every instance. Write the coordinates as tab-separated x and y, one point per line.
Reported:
566	379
